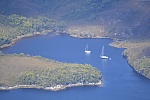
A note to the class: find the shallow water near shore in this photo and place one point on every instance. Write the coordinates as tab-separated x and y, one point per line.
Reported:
120	81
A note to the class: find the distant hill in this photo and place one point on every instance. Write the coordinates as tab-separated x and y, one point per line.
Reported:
121	18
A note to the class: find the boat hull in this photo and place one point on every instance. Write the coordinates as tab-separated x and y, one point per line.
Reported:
87	51
104	57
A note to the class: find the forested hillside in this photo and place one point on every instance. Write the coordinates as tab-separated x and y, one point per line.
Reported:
47	7
122	20
14	25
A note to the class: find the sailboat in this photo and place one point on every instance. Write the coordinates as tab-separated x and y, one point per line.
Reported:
86	49
102	54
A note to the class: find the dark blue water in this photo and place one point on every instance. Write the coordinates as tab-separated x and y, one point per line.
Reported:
121	82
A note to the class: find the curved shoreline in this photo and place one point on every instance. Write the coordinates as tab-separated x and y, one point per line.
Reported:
18	38
59	87
55	88
13	41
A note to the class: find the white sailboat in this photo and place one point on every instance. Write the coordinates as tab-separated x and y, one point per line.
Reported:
86	49
102	54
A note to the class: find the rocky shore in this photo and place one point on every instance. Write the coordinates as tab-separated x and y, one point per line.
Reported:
54	88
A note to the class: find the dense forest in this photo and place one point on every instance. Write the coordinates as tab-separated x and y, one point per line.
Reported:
16	25
64	75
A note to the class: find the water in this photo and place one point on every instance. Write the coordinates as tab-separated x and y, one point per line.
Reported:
121	82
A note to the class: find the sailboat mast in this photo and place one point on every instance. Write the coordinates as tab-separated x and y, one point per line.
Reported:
102	53
86	47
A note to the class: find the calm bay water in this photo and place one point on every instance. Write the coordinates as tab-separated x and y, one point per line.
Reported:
121	82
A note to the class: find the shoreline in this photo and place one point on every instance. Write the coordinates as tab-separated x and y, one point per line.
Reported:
54	88
18	38
13	41
60	87
132	50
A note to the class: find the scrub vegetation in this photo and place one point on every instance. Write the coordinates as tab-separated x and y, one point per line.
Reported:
20	69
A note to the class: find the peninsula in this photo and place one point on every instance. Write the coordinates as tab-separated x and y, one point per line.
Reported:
24	71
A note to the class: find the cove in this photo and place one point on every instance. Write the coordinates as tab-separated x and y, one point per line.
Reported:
121	82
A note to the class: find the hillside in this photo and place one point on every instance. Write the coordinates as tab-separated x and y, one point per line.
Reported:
13	26
137	54
119	18
125	21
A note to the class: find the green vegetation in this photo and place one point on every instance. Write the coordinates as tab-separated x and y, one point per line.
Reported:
142	66
1	84
123	20
15	25
19	69
138	55
61	76
139	58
